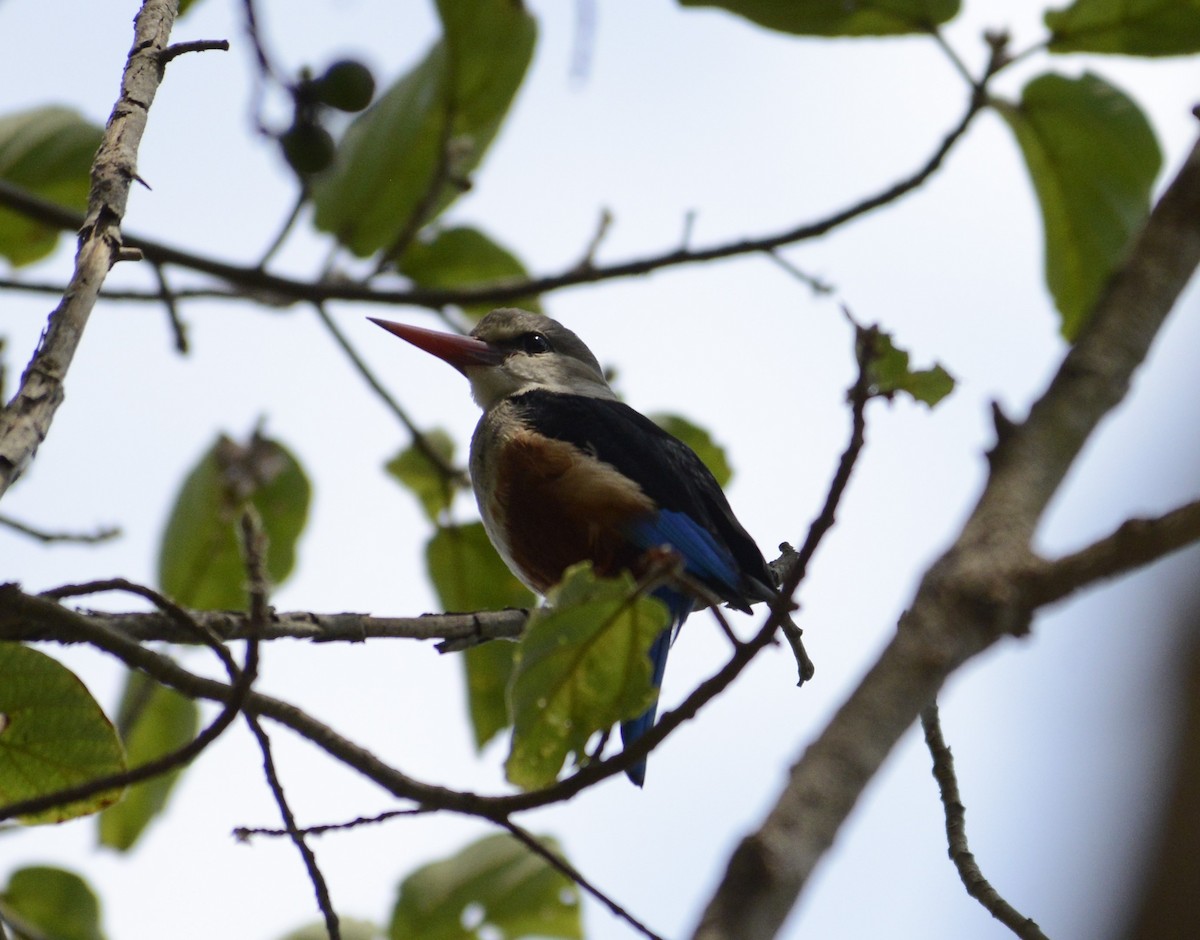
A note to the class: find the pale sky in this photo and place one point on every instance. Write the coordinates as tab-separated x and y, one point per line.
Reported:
1059	738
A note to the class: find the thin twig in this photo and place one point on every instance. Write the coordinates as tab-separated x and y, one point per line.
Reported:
255	279
420	441
168	296
535	845
245	833
968	869
320	888
195	45
104	534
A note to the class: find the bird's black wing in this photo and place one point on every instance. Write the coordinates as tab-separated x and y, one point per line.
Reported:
667	470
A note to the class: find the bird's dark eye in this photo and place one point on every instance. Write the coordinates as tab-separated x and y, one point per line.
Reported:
534	343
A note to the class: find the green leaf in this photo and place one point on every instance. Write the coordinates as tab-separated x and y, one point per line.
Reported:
407	157
468	574
414	470
153	720
840	18
489	670
889	372
465	257
1126	27
582	666
49	152
53	735
52	903
699	440
1093	158
200	561
494	888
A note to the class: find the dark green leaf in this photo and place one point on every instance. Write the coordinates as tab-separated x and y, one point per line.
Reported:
200	562
489	671
53	735
49	152
699	440
1126	27
406	157
889	373
468	574
1093	158
427	481
582	666
153	720
494	888
52	903
840	18
465	257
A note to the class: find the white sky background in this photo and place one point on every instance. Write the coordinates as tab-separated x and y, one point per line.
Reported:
1060	739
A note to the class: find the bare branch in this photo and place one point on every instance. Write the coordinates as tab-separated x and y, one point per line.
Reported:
104	534
968	869
256	280
26	420
973	595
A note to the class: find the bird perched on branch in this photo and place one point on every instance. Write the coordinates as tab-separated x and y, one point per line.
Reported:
564	472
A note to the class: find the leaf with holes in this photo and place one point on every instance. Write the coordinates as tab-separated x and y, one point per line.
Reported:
582	666
53	735
888	373
494	888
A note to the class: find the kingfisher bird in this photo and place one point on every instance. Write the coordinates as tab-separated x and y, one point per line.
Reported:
564	472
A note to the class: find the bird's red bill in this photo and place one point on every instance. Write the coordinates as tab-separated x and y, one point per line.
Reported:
460	351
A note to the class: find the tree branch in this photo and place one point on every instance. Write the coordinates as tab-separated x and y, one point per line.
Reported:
960	854
254	280
973	594
26	420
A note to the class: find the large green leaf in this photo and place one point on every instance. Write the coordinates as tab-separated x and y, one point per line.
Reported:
53	903
1093	158
200	562
49	152
53	735
153	721
698	439
465	257
494	888
468	574
839	17
582	666
414	469
404	159
1126	27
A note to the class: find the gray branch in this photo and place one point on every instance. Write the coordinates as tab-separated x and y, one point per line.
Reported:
976	592
26	420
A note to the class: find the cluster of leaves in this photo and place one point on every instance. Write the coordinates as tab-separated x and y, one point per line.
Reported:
379	191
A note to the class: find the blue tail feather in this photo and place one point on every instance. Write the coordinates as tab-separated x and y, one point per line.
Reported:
679	605
703	557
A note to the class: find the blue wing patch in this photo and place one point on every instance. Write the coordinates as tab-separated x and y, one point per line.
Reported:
703	557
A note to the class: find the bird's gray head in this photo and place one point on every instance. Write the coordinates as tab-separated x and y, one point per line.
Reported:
533	351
